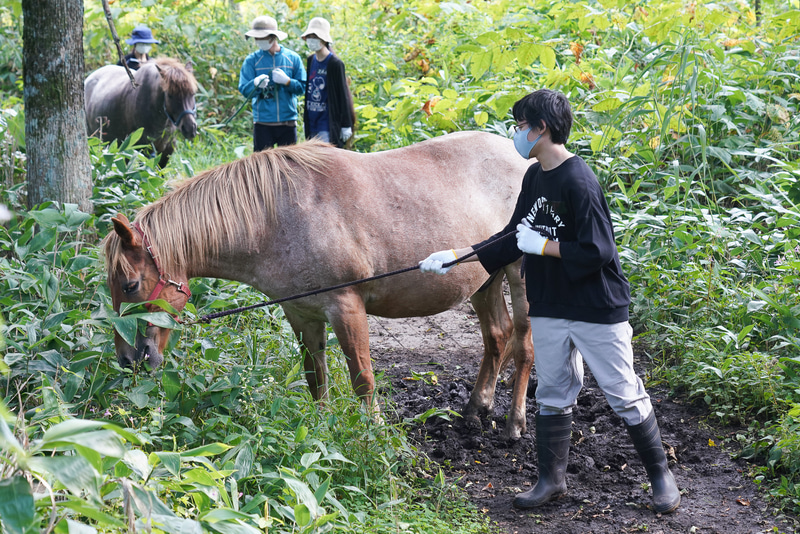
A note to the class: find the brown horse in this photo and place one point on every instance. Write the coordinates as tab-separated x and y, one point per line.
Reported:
292	219
161	103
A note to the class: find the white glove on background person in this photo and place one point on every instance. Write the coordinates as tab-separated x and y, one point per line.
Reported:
261	81
434	262
530	241
346	134
280	77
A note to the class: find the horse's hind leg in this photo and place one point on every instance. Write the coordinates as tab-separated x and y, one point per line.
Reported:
521	348
496	328
348	317
312	338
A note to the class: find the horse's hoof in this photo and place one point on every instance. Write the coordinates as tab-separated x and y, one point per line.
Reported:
473	423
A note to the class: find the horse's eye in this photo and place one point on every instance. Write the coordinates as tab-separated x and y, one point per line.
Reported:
130	287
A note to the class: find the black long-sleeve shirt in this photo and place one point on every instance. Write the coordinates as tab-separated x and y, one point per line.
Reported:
586	283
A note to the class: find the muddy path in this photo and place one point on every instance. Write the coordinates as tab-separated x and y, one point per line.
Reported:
431	363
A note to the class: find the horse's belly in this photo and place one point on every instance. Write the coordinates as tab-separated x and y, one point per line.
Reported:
423	294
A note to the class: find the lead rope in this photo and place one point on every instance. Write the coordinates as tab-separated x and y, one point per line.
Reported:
208	318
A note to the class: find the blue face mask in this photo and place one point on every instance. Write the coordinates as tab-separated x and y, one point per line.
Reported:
522	144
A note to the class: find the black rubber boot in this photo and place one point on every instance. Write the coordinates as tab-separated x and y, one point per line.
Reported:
552	449
647	441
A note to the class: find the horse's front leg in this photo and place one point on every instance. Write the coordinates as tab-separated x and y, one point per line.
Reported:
496	328
312	338
348	317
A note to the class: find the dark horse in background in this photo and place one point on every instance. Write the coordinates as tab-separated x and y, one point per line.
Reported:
161	103
298	218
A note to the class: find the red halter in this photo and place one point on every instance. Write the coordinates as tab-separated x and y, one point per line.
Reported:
162	281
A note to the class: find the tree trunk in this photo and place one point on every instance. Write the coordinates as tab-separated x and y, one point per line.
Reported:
55	123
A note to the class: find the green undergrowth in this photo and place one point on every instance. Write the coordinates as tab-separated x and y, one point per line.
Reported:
224	437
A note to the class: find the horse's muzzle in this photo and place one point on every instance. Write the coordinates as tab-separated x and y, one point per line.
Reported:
189	127
146	351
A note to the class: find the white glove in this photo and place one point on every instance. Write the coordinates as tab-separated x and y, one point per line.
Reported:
434	262
346	134
261	81
529	240
279	77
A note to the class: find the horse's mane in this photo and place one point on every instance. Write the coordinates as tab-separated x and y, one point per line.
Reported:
175	77
230	203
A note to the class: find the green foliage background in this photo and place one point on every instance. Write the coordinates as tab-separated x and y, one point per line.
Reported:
689	114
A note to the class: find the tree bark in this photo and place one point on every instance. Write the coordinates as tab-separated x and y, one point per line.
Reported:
55	122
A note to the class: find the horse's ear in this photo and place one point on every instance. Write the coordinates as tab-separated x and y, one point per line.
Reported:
189	66
158	68
125	231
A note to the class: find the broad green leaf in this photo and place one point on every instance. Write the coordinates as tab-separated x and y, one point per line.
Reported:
548	58
303	494
9	442
138	462
309	459
126	327
481	62
225	514
608	104
244	462
302	515
73	527
171	461
105	442
176	525
16	505
86	509
74	472
527	53
212	449
481	118
199	476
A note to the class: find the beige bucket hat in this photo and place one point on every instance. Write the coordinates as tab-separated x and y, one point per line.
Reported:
264	27
319	27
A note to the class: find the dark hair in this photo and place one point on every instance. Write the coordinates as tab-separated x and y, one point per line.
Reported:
546	107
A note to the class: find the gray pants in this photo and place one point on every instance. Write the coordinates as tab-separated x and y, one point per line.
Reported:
560	347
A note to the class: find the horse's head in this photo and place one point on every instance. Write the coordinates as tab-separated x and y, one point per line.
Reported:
135	275
179	87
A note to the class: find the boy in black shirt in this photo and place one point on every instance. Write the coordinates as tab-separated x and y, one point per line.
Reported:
578	298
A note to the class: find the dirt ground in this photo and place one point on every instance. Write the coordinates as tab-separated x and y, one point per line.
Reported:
605	478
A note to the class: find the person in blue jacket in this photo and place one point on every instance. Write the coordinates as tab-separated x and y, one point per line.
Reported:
272	76
578	299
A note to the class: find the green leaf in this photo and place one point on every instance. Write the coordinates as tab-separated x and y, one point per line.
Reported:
481	62
548	58
126	327
244	462
9	442
211	449
74	472
303	494
171	461
199	476
138	462
105	442
225	514
302	515
176	525
16	505
83	508
77	427
79	528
